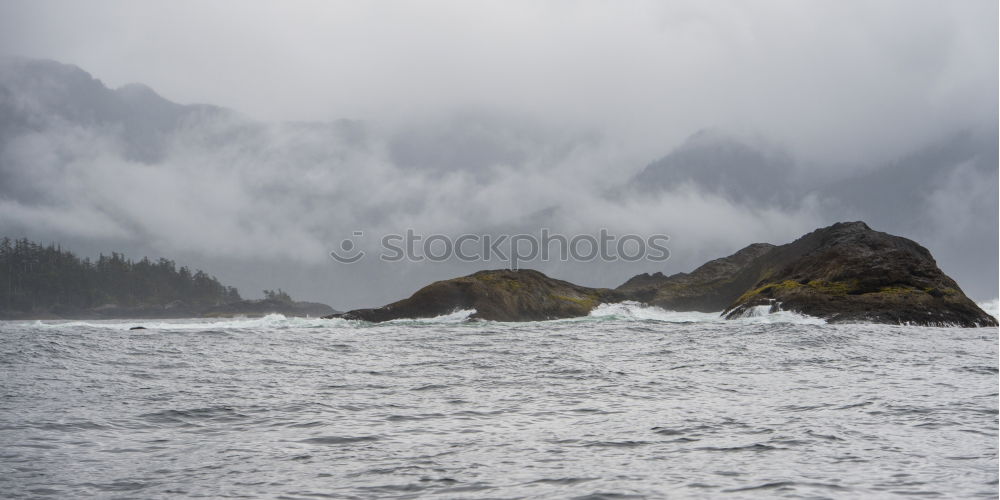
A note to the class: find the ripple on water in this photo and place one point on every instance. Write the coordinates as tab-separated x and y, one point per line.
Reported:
334	440
610	407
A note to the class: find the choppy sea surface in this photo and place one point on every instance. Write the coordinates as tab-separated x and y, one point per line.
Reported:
631	402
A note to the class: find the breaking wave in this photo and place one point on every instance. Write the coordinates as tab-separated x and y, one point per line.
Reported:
636	311
459	316
763	314
620	311
271	321
630	310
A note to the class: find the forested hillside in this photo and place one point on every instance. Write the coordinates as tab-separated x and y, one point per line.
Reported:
34	277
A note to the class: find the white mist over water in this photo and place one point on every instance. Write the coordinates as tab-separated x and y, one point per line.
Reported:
992	307
631	400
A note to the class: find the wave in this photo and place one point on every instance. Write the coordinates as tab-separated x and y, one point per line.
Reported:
268	321
630	310
763	314
620	311
459	316
635	311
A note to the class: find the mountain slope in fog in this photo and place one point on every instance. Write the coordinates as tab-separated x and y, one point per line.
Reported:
944	194
39	94
94	167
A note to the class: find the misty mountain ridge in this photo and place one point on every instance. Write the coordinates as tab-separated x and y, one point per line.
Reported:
34	92
720	163
760	174
969	153
944	191
38	94
75	154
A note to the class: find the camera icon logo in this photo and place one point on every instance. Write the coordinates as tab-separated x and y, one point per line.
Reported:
347	253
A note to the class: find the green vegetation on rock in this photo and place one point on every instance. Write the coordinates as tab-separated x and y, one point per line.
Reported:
845	272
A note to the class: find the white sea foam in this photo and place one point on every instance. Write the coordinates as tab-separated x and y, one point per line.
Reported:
630	310
268	321
453	317
763	314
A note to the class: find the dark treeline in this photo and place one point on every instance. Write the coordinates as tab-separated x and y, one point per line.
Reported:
35	277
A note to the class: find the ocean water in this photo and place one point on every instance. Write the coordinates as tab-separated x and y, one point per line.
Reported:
632	402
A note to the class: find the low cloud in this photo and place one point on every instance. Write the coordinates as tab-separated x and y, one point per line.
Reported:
496	117
226	187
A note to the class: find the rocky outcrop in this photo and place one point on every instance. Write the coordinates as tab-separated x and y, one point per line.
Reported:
710	288
848	272
499	295
843	273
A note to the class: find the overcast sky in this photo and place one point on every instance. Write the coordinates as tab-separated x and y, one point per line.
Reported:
844	80
476	116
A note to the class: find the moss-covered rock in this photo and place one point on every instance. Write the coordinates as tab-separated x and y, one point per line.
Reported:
498	295
848	272
845	272
710	288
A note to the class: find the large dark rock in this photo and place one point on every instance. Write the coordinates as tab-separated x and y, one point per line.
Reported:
848	272
499	295
843	273
710	288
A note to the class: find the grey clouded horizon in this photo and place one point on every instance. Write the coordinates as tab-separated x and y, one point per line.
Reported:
825	79
718	123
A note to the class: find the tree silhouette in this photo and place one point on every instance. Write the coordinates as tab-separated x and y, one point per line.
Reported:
46	278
